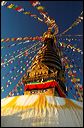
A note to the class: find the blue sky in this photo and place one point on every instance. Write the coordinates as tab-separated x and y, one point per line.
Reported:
15	24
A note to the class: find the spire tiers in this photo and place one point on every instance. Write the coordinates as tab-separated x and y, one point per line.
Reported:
46	66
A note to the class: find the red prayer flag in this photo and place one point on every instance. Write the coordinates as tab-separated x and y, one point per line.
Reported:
18	8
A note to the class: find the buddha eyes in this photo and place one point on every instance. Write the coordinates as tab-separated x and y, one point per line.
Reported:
38	91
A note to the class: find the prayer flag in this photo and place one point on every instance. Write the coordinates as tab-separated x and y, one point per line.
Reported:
18	8
26	13
40	8
3	3
10	6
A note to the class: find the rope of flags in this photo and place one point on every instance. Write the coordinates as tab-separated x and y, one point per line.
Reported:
14	69
14	52
69	39
62	44
18	56
72	74
4	60
47	19
14	44
20	9
18	74
50	22
37	38
26	54
75	23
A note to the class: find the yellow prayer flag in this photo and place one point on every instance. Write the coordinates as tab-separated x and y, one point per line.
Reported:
67	66
73	80
40	19
26	13
10	6
2	40
78	50
12	39
78	79
40	8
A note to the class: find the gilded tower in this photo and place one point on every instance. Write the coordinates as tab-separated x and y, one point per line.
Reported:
46	73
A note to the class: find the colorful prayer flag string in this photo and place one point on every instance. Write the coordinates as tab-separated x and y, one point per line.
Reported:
20	9
73	77
76	22
19	55
47	19
36	38
62	44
